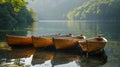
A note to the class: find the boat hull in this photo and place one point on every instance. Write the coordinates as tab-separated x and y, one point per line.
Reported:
39	42
92	45
62	43
18	40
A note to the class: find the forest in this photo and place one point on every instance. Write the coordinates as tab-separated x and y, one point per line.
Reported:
14	15
96	10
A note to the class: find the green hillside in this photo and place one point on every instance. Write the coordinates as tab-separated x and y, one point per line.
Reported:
96	10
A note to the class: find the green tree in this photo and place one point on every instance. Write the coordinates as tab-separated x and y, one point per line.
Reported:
6	20
93	9
33	13
14	20
17	4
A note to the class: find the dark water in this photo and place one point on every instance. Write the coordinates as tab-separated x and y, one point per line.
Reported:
30	57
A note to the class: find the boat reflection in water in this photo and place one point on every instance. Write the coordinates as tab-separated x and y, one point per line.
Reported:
61	58
64	59
69	60
41	57
17	57
27	57
94	60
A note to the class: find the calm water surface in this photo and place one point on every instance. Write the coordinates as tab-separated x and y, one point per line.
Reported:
30	57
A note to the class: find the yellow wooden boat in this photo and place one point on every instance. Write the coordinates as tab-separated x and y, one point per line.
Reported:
62	43
39	42
93	44
18	40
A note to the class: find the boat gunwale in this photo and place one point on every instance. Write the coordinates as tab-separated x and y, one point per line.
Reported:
19	37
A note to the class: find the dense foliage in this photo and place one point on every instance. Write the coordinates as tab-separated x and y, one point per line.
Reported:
10	20
17	4
96	10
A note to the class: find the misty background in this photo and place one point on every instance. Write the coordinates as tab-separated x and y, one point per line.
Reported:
53	9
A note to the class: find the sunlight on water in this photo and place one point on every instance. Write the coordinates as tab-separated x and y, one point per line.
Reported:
45	64
28	60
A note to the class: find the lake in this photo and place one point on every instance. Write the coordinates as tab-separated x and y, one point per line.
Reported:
31	57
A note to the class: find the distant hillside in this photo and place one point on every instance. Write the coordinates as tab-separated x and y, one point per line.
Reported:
96	10
54	9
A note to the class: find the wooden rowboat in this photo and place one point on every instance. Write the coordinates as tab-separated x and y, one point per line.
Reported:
93	44
67	41
39	42
62	43
18	40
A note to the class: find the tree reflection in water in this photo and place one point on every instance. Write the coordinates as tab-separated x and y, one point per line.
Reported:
16	57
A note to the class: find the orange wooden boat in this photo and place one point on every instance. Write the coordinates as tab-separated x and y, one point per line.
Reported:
42	41
67	41
62	43
18	40
93	44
